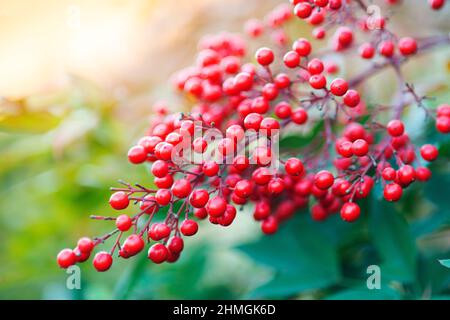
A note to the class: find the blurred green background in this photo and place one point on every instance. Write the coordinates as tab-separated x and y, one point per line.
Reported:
68	116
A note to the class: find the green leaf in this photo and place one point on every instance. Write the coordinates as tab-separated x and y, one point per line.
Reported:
384	293
301	255
392	239
445	263
299	141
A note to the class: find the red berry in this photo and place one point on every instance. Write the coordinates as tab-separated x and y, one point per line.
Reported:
199	198
160	168
262	210
392	192
407	46
210	168
303	10
318	212
163	197
436	4
302	47
216	206
429	152
253	121
181	188
275	186
158	253
366	51
243	188
283	110
269	225
291	59
350	212
66	258
423	174
159	231
264	56
345	149
323	180
299	116
443	124
123	222
389	174
315	66
282	81
137	154
339	87
351	98
85	245
294	167
406	175
443	110
318	81
176	244
386	48
360	147
241	162
261	176
102	261
133	245
189	227
395	128
119	200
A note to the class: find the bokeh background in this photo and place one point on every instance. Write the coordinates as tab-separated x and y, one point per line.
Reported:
77	81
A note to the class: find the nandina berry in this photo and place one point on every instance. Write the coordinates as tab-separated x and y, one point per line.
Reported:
282	81
303	10
149	143
123	222
315	66
407	46
389	174
228	216
160	168
318	212
291	59
253	121
164	182
85	245
264	56
137	154
148	204
181	188
176	244
216	206
351	98
443	110
275	186
366	51
163	151
395	128
429	152
318	81
81	256
302	47
159	231
260	105
323	180
270	125
392	192
283	110
360	147
269	91
338	87
406	175
350	212
335	4
345	149
423	173
261	176
163	197
299	116
210	168
354	131
443	124
243	188
199	198
436	4
321	3
294	167
189	227
386	48
200	213
243	81
262	210
199	145
158	253
344	36
269	225
119	200
133	245
102	261
241	162
66	258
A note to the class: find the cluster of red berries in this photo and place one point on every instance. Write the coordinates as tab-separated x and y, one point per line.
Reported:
286	89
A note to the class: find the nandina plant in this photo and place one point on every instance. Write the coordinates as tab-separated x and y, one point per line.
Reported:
225	154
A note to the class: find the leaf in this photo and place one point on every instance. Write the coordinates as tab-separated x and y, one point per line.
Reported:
384	293
301	255
392	239
299	141
445	263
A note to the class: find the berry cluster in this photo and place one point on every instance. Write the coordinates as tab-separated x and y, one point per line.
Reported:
223	154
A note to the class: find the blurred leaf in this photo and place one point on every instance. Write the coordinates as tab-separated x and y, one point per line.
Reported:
445	263
385	293
301	255
299	141
392	239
